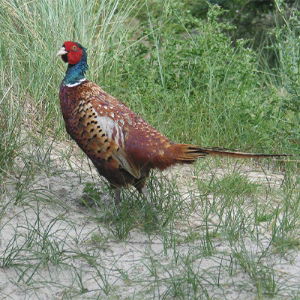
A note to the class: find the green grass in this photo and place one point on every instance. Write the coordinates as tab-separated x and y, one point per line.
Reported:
199	239
222	229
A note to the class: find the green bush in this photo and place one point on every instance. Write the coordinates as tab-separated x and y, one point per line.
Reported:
188	79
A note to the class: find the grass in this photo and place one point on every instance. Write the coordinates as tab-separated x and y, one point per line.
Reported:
222	229
207	241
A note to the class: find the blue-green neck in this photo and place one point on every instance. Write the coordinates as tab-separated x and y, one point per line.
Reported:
75	73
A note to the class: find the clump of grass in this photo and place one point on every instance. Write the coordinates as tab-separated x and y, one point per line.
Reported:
263	277
233	185
285	223
91	195
35	245
283	75
10	119
162	206
32	33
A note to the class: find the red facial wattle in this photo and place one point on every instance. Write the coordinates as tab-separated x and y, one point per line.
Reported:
74	53
74	57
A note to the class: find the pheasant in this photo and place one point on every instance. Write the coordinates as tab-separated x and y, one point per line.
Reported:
121	145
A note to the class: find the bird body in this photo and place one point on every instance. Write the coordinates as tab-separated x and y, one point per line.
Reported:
115	139
122	146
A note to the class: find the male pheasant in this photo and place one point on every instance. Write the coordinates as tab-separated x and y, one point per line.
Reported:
121	145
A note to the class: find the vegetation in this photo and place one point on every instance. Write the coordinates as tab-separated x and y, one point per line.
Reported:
196	72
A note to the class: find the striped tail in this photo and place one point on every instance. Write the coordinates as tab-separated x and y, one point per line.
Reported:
189	153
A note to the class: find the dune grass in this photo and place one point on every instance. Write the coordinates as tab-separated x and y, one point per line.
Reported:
222	229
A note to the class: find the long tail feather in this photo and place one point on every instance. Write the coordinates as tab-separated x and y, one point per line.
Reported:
235	153
189	153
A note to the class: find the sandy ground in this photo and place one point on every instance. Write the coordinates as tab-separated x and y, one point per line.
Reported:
87	262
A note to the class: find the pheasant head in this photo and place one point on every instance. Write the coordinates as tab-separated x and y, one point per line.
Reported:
75	55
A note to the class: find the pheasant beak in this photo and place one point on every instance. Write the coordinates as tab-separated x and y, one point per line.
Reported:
62	51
